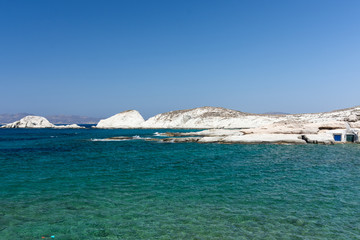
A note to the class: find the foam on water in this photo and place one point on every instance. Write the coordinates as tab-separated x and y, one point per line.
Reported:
157	134
108	140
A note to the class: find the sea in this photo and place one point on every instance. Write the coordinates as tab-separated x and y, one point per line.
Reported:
73	184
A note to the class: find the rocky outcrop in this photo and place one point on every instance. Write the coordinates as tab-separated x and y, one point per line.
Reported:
230	126
277	133
127	119
36	122
30	122
74	126
215	117
208	117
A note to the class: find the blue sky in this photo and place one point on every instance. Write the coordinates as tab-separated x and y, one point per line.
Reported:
98	58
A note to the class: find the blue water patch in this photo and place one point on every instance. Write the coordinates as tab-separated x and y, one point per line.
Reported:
60	183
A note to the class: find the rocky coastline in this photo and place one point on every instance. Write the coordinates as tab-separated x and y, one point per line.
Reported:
230	126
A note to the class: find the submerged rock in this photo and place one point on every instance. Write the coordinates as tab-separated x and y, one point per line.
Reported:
127	119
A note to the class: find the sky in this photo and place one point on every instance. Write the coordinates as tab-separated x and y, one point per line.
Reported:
98	58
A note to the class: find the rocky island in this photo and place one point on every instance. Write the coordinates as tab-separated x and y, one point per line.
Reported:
36	122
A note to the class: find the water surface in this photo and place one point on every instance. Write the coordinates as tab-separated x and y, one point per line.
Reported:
59	182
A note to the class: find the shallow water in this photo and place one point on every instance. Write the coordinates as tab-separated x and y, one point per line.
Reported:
60	183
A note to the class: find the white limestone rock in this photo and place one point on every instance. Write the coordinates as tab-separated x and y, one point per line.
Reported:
215	117
219	132
207	117
74	126
127	119
37	122
355	125
265	138
284	128
211	140
322	138
352	118
30	122
214	132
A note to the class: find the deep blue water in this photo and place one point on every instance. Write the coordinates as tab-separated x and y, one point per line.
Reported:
60	183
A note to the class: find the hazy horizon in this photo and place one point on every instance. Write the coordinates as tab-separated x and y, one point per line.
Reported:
96	59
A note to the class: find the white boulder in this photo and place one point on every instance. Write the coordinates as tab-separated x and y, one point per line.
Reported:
127	119
30	122
352	118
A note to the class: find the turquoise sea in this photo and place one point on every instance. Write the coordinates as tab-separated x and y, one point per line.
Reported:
63	184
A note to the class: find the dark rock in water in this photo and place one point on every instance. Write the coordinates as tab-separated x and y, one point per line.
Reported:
179	140
173	134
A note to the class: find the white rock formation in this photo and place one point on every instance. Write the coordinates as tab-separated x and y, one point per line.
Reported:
276	133
266	138
36	122
30	122
230	126
323	138
127	119
208	117
75	126
215	117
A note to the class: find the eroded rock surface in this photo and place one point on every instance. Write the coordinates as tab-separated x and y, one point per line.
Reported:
127	119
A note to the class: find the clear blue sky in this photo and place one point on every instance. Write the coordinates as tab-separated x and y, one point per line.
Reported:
98	58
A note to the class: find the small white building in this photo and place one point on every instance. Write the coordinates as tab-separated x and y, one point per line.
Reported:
346	135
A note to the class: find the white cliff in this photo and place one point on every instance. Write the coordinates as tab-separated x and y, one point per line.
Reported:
127	119
36	122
